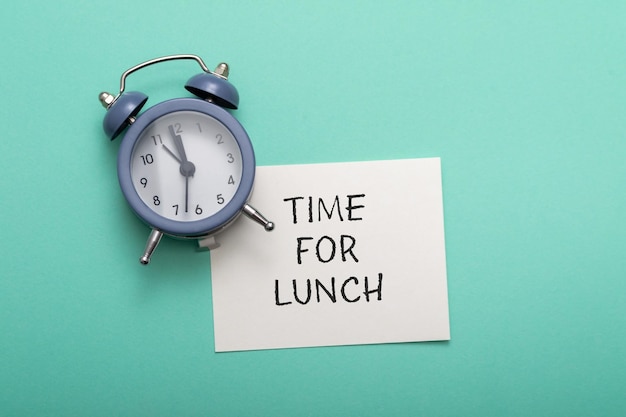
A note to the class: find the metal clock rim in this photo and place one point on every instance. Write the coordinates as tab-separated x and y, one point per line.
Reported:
203	227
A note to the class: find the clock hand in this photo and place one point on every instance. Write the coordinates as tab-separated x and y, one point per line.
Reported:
186	193
187	168
178	142
169	151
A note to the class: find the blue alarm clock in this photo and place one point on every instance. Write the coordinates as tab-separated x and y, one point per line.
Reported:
185	166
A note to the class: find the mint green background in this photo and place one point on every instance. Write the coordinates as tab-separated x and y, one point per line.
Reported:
525	102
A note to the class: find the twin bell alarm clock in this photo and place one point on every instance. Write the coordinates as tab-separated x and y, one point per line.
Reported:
186	166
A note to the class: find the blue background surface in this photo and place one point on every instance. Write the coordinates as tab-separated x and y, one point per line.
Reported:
523	101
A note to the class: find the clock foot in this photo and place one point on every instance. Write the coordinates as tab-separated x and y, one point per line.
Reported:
151	245
208	243
251	212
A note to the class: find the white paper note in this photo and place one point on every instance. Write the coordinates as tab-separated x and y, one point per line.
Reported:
357	257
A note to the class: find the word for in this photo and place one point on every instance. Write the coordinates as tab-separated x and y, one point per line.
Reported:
348	290
326	248
315	207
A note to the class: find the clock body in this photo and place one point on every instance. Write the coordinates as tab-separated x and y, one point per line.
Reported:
186	167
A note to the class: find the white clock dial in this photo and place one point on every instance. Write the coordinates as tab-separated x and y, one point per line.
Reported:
186	166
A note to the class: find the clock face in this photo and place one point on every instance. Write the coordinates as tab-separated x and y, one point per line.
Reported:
186	166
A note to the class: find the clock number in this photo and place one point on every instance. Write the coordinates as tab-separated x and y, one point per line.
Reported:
198	209
147	159
231	180
178	128
199	126
144	182
156	200
157	139
219	138
175	206
231	158
220	199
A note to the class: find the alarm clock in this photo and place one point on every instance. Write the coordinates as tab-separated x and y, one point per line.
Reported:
186	166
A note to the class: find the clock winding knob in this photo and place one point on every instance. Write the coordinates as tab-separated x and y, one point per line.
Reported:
106	99
222	70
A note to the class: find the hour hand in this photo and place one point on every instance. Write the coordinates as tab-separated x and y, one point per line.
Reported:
172	154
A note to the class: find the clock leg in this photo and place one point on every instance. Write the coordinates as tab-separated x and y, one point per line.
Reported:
207	243
251	212
153	242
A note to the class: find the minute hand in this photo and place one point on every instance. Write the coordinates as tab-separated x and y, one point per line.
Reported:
187	168
178	142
